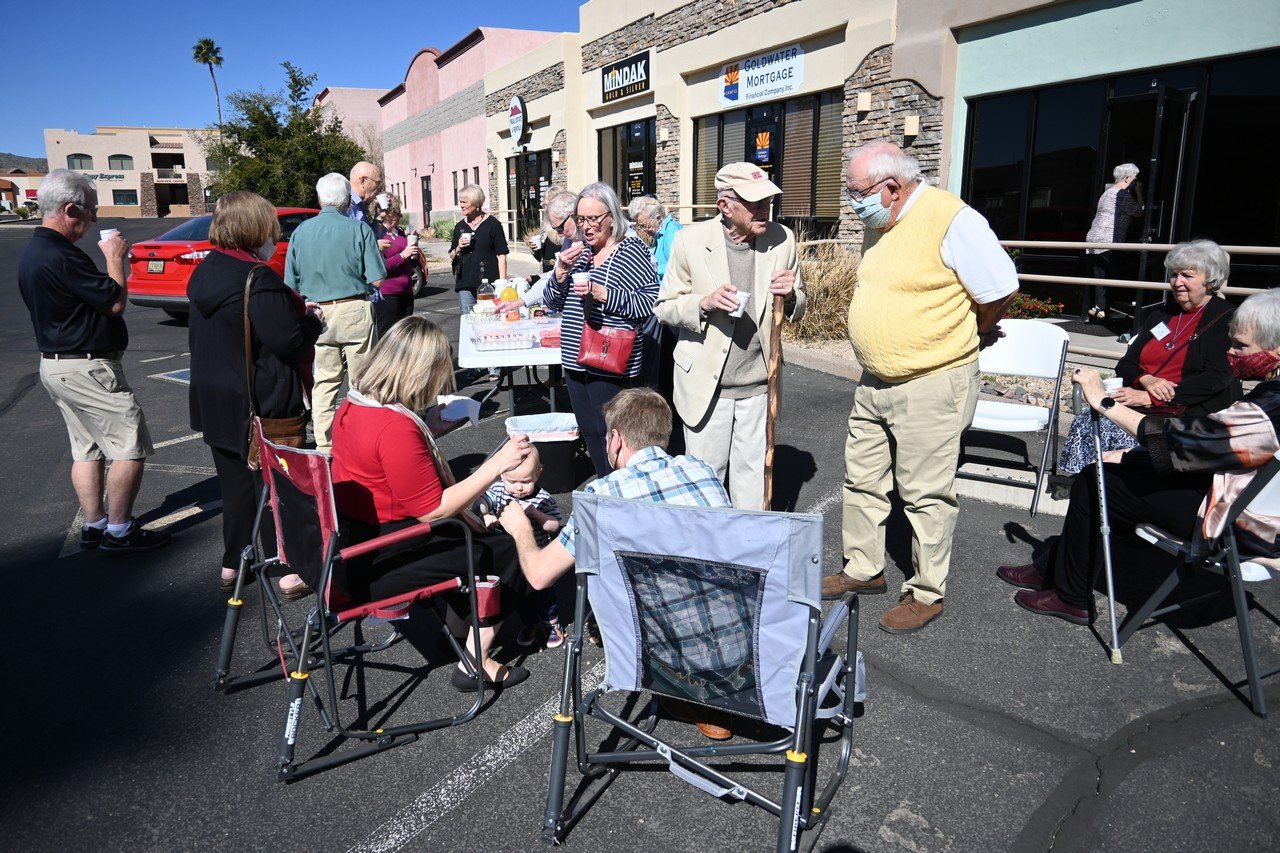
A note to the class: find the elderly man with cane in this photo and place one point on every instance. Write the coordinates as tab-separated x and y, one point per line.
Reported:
932	285
727	277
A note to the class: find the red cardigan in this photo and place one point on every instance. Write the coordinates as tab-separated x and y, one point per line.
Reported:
382	468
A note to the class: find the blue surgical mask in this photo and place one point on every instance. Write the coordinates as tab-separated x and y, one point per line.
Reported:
872	213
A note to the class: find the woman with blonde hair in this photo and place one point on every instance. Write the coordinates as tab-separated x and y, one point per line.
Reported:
389	475
244	233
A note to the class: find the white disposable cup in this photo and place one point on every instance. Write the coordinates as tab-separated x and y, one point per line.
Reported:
1115	383
464	240
384	201
744	296
538	240
107	233
413	239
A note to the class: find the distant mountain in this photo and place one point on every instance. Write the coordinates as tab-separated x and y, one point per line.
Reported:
29	164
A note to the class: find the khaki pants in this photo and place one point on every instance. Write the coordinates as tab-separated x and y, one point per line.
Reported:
907	433
341	352
731	438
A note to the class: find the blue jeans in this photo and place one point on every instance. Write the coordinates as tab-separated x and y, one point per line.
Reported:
466	301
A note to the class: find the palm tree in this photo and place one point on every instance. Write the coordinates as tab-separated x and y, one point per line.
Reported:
205	52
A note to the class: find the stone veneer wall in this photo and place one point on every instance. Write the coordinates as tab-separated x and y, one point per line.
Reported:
560	171
891	101
147	194
497	169
545	82
195	195
691	21
667	162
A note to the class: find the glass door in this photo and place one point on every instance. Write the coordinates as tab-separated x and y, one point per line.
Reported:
426	202
533	177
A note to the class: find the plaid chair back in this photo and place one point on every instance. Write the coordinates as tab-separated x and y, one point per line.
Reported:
707	605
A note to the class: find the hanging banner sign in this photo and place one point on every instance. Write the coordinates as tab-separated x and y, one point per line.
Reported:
623	79
775	74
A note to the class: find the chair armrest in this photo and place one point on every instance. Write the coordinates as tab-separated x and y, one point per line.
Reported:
418	530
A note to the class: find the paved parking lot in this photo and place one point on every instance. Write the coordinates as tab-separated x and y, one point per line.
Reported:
991	730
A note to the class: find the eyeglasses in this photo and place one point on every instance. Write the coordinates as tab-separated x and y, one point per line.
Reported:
91	212
559	229
752	206
859	195
593	221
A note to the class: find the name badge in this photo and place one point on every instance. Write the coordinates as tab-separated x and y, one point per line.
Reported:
1160	332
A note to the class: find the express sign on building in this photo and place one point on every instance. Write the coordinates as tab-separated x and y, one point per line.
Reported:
623	79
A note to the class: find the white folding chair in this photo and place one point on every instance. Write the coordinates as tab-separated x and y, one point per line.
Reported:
1260	497
1032	348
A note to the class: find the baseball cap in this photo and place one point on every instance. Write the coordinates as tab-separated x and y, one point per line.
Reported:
747	180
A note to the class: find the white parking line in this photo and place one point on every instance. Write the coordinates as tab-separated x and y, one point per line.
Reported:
173	441
821	506
181	469
157	358
464	781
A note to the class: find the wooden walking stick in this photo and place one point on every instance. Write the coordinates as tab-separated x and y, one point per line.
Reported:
771	418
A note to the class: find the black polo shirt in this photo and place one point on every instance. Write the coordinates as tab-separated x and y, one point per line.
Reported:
69	298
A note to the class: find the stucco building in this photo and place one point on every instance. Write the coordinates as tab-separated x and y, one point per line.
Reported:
140	171
17	187
433	123
1021	106
358	110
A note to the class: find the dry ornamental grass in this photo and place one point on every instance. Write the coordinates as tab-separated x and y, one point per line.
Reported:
829	271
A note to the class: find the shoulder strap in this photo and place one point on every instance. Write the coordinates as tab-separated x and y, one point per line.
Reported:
248	340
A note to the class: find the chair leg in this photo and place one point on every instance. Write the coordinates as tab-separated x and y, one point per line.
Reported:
552	823
231	623
797	764
297	687
1244	625
1135	620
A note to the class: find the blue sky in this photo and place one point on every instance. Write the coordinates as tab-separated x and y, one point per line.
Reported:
129	62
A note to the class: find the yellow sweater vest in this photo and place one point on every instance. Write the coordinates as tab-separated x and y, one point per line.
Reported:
910	316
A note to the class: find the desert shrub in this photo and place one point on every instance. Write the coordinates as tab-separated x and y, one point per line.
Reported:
1024	307
830	271
443	226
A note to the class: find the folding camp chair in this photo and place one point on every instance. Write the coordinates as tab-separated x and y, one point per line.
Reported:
722	608
1028	348
298	486
1261	497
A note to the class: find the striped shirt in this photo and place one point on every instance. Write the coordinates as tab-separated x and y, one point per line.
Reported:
497	497
629	277
651	475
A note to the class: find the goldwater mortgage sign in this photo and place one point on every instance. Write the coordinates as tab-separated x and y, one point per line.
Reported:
623	79
770	75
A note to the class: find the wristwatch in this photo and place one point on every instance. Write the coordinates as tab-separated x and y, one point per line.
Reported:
1106	403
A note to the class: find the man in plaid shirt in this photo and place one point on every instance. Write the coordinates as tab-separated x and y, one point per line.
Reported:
637	428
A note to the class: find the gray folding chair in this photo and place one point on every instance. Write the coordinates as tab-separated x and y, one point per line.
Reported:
1261	497
1029	348
721	608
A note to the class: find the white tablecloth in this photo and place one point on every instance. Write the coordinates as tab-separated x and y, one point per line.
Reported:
469	356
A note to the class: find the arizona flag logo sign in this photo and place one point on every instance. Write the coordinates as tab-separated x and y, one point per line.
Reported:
731	82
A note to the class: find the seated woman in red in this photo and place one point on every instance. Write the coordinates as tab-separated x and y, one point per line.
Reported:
388	475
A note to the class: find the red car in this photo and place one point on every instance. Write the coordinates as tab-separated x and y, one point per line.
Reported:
159	269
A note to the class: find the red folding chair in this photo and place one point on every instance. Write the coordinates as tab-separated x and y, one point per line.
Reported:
298	486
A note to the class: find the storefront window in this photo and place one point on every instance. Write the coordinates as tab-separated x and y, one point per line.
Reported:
627	154
998	132
1062	188
797	142
124	197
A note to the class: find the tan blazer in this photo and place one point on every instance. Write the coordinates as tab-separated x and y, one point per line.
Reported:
698	266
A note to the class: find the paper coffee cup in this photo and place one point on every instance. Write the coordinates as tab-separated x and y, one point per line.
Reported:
1115	383
744	296
107	233
413	239
581	277
384	201
464	240
538	240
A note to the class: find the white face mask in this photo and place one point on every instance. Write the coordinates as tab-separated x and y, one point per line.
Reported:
265	251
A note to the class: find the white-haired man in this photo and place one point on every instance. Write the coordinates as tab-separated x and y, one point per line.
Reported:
76	313
932	285
334	261
366	182
722	354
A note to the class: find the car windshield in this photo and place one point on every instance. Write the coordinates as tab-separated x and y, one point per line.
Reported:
196	229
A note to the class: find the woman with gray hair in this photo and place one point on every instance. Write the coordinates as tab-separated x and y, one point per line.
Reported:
605	283
652	219
478	249
1182	477
1118	208
1178	364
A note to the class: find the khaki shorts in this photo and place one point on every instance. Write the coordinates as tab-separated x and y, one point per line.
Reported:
103	419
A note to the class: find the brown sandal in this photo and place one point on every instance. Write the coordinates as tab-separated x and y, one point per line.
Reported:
293	593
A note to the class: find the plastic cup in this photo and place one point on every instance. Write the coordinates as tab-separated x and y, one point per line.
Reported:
413	239
107	233
1115	383
744	296
538	240
464	240
384	201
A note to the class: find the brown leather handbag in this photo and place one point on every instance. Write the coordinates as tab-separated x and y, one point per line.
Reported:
288	432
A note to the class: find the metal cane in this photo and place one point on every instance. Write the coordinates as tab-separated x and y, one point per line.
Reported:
1105	529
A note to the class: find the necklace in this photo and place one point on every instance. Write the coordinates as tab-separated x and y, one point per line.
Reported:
1177	327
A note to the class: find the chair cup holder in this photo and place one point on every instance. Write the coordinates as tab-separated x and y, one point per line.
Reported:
488	597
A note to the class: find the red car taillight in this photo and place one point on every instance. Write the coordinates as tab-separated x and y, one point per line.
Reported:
194	256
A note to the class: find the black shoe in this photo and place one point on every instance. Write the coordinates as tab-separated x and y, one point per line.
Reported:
467	683
135	541
91	537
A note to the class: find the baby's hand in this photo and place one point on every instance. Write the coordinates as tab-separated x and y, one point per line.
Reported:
490	520
551	525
